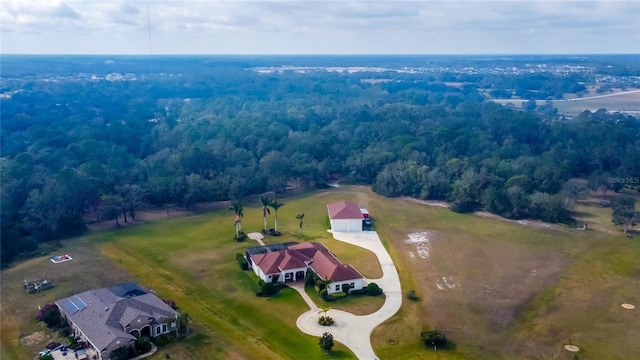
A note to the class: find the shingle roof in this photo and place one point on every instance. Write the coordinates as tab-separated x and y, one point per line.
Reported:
344	210
106	313
312	254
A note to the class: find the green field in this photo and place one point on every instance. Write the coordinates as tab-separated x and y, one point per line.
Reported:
515	292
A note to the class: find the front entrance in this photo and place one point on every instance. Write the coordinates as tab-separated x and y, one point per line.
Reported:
300	276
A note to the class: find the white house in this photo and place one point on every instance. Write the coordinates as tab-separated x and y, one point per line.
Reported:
345	216
290	262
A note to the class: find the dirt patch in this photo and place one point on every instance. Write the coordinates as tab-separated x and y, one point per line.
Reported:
34	339
531	223
477	286
427	202
420	241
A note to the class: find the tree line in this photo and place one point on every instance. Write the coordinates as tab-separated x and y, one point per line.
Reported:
81	151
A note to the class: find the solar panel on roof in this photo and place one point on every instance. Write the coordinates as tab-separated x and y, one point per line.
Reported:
73	305
69	306
78	303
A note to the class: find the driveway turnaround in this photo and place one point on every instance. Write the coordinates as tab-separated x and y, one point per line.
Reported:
352	330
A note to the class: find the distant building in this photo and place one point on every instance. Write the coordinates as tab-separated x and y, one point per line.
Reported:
114	317
345	216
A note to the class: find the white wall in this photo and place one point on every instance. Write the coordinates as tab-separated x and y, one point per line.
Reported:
358	284
346	225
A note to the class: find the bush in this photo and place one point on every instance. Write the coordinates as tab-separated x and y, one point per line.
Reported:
433	338
325	320
373	289
170	303
411	295
346	288
338	295
143	345
46	357
260	282
121	353
323	294
241	237
358	292
244	264
268	289
161	340
50	314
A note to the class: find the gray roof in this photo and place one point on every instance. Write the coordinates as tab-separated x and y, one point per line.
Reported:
102	320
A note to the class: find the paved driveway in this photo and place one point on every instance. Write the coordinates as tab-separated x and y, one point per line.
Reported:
352	330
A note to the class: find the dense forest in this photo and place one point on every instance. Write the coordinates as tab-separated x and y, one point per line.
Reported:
78	148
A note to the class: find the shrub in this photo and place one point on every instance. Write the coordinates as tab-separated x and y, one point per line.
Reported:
71	341
323	294
260	282
161	340
143	345
433	338
411	295
121	353
326	342
171	303
346	288
268	289
241	237
338	294
373	289
244	264
46	357
325	320
358	292
50	315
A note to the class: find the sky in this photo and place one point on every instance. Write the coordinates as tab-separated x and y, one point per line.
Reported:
319	27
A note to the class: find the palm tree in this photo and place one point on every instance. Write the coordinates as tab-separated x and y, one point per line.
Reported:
264	200
300	217
275	205
237	207
324	309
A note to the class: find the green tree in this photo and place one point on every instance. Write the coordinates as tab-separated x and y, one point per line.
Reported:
275	205
264	200
237	208
300	218
326	342
183	322
624	212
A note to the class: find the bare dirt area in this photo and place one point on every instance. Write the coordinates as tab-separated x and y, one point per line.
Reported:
476	287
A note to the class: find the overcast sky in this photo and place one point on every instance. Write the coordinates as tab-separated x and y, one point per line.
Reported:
319	27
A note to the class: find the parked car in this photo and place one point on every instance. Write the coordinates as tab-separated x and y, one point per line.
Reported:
367	221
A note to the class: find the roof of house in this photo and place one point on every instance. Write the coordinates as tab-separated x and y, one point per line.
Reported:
101	314
313	254
344	210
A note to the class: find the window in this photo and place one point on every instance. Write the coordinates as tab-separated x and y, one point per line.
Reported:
164	328
352	285
337	287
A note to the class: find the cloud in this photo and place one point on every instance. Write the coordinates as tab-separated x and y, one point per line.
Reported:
65	11
213	26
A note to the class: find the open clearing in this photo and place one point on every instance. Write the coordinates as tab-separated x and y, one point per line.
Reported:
499	289
627	101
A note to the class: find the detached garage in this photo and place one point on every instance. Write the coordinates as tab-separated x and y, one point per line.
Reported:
345	216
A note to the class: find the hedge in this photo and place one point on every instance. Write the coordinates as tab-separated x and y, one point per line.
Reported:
244	265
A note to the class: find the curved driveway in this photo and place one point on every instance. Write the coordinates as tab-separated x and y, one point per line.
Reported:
352	330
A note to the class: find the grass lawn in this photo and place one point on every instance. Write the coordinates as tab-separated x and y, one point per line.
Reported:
499	290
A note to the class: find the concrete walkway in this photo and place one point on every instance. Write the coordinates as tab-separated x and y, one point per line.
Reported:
352	330
257	237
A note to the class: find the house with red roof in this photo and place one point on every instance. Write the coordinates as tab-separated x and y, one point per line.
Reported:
345	216
290	262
